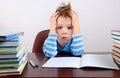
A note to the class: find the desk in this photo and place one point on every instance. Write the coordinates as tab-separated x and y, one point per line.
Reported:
29	71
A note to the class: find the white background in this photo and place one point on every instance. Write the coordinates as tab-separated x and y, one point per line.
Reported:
97	18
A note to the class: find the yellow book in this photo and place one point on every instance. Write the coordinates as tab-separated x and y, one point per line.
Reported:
20	50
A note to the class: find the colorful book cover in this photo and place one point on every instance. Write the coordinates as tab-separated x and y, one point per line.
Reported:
9	35
14	71
14	60
117	49
13	65
8	56
11	40
116	37
2	66
116	53
9	43
9	50
116	41
116	44
12	50
20	50
118	63
115	32
9	61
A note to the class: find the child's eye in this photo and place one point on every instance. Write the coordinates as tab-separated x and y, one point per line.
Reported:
60	27
70	27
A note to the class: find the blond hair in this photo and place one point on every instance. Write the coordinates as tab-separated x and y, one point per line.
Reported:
64	10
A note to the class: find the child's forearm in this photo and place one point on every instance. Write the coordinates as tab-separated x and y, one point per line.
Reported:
50	45
77	47
76	29
52	29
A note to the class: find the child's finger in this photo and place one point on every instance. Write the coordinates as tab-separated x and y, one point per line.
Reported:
55	14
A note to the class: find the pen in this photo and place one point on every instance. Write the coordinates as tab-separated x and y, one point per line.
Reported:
33	65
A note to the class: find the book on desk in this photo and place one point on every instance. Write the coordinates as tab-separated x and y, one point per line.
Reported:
13	59
115	34
6	36
87	60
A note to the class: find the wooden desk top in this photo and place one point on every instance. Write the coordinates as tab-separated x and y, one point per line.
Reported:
29	71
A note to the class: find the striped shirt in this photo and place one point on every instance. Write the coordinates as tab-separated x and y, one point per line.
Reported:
51	46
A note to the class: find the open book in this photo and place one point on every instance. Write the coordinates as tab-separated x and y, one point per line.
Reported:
87	60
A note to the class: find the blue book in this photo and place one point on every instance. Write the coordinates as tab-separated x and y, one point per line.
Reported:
4	36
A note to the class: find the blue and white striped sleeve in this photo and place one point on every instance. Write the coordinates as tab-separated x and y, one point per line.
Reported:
77	47
50	45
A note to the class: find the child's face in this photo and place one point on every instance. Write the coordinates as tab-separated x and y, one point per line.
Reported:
64	29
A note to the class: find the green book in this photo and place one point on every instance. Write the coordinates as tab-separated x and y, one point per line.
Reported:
15	55
9	44
9	61
118	63
9	50
13	71
10	74
14	61
9	65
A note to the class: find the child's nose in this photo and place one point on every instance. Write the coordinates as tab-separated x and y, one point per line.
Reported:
64	30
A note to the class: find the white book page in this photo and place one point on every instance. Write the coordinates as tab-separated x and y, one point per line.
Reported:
63	62
98	60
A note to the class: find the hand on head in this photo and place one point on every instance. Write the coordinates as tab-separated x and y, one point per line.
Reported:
53	22
75	22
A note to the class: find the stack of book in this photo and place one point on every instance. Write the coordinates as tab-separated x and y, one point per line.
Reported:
13	59
116	46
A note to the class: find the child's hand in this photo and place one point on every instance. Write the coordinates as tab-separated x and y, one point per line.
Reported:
53	22
75	23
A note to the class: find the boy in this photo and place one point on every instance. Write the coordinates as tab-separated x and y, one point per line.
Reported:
64	35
